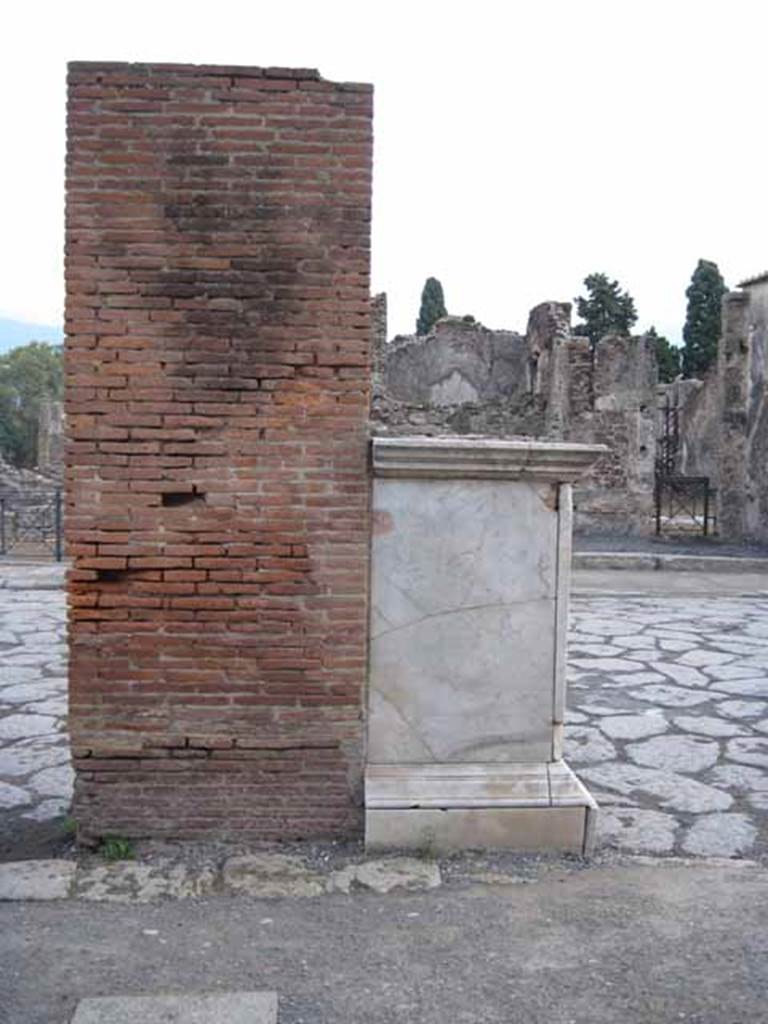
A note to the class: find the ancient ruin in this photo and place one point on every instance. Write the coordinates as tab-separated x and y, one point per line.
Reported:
720	423
226	369
463	378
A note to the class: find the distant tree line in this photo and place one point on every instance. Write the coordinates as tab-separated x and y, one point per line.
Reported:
29	375
606	309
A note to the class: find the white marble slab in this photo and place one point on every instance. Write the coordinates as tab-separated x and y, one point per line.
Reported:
464	582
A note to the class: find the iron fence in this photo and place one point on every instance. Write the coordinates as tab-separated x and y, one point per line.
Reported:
32	525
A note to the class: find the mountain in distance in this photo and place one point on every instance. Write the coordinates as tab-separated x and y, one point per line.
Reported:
21	332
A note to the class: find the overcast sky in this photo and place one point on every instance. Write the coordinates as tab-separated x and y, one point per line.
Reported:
519	145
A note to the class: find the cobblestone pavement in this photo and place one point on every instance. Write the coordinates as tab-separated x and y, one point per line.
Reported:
35	776
668	720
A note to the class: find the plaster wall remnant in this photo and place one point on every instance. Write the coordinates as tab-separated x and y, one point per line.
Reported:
698	420
743	462
50	437
464	378
218	366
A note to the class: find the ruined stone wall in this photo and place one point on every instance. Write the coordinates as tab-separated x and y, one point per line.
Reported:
218	362
699	428
463	378
615	405
457	362
743	464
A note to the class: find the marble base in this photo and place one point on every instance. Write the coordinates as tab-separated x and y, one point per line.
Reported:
444	807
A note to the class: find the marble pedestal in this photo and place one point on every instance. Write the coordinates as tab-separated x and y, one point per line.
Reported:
470	567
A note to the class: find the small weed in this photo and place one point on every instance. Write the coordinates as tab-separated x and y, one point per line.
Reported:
69	826
117	848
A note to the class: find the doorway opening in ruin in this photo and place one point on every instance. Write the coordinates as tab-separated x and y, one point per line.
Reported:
682	504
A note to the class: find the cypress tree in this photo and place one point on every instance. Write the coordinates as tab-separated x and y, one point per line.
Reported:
432	306
703	318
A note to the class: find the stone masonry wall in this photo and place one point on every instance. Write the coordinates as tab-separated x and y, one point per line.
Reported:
218	361
616	407
743	464
463	378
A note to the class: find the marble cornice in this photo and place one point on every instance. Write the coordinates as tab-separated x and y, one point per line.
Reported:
481	458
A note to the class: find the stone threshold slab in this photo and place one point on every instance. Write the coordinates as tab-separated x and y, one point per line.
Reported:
214	1008
489	785
449	830
447	807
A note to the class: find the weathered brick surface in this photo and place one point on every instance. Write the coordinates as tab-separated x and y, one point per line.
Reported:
218	334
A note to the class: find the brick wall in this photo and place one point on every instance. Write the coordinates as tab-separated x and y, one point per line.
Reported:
218	336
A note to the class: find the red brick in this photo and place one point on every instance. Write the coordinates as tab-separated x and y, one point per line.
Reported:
217	316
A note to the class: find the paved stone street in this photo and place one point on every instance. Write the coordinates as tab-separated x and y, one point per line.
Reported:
668	716
669	720
35	777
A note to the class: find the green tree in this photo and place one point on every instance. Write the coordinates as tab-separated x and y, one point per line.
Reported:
605	309
667	357
432	306
28	375
703	318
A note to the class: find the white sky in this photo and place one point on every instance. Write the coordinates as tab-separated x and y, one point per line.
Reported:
519	145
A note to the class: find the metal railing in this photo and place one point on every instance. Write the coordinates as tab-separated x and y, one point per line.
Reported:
32	525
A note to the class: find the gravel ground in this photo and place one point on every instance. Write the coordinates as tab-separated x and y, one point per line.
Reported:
623	943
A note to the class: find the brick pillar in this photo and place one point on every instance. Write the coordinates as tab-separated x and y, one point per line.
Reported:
218	349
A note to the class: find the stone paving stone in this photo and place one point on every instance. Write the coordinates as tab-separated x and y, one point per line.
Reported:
687	754
27	693
742	708
630	828
16	727
586	745
36	879
609	627
19	760
746	687
206	1008
720	835
577	649
271	875
12	675
13	796
684	675
125	882
707	726
671	696
385	875
674	792
57	781
640	678
635	641
721	673
701	658
46	810
740	777
604	664
633	727
575	718
748	750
